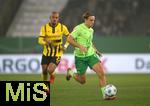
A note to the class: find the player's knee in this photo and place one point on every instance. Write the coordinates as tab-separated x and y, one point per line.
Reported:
51	68
102	73
44	71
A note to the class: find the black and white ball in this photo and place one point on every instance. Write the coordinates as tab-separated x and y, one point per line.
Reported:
110	90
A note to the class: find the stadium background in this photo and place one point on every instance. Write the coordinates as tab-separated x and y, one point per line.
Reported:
122	28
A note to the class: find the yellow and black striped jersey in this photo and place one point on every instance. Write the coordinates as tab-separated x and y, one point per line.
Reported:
55	35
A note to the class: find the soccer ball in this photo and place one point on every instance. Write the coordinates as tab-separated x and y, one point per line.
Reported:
110	90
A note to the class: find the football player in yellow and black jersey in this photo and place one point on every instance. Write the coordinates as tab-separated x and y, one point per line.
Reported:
51	36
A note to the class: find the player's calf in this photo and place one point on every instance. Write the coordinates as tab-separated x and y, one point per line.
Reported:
52	78
69	74
80	79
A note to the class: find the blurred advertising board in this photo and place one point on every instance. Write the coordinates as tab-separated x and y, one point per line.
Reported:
112	63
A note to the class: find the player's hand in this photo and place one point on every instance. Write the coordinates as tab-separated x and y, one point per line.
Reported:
98	53
47	41
63	49
83	49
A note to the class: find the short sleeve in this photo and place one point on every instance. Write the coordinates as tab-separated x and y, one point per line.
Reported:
40	38
42	31
65	30
75	32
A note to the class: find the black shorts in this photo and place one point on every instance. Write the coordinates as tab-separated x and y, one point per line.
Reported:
50	59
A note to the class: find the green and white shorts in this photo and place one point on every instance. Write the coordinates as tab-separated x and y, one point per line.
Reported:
82	63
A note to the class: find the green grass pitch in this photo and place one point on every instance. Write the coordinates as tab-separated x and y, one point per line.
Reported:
133	90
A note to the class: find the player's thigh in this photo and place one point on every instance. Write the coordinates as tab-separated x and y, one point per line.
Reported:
45	60
81	65
44	63
54	61
44	66
95	64
92	60
98	68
